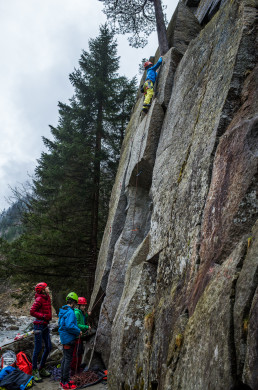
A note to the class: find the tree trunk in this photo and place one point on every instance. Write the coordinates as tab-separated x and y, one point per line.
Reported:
96	184
122	128
161	28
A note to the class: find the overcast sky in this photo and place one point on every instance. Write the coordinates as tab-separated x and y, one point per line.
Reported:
40	44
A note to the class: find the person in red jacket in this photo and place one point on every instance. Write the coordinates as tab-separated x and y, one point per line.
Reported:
41	310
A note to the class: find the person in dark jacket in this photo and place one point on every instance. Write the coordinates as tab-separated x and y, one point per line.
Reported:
68	331
41	310
148	86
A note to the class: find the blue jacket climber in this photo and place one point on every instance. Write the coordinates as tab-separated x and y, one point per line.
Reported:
68	328
149	83
151	72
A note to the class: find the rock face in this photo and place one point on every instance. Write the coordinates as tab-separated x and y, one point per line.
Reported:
179	258
182	28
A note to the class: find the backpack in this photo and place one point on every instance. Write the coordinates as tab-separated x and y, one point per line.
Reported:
14	379
8	359
23	363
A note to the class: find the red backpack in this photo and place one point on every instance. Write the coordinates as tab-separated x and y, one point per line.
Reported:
23	363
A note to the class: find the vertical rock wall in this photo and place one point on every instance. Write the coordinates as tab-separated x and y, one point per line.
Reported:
179	257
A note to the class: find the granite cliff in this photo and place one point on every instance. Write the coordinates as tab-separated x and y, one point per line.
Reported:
179	258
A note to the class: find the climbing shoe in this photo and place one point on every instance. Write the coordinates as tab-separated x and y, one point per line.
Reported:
30	384
145	108
44	373
67	385
64	385
36	376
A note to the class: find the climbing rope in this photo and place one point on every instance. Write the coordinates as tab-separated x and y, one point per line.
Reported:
77	349
130	239
136	189
97	301
92	351
134	209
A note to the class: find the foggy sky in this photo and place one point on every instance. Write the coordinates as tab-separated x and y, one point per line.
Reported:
40	45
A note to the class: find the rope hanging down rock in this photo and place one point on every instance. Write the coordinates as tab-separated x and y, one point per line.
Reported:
130	239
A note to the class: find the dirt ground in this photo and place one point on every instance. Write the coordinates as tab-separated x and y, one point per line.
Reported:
50	385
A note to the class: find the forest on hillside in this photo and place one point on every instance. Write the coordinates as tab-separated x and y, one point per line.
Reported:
10	222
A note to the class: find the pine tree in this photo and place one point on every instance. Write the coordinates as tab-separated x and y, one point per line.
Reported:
98	72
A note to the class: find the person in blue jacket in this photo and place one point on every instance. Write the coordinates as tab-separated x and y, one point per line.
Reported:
68	331
148	86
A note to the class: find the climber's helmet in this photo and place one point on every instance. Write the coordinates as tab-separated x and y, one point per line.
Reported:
72	297
82	301
40	287
147	65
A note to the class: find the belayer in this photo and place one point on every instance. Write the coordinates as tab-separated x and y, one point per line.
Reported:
148	86
68	331
41	310
81	316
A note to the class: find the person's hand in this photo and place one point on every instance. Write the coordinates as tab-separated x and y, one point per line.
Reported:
80	333
89	313
89	327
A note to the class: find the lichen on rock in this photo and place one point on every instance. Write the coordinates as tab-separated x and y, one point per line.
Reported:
178	262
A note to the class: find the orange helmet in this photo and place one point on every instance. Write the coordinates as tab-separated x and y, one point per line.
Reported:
40	287
82	301
147	64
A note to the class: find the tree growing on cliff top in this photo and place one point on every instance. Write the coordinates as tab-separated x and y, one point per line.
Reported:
139	17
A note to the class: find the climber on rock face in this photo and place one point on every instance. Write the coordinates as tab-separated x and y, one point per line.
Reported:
148	85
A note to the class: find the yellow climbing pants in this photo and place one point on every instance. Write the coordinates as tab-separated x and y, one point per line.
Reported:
148	92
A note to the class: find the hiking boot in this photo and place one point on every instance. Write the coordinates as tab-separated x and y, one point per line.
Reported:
145	110
36	376
72	385
44	373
